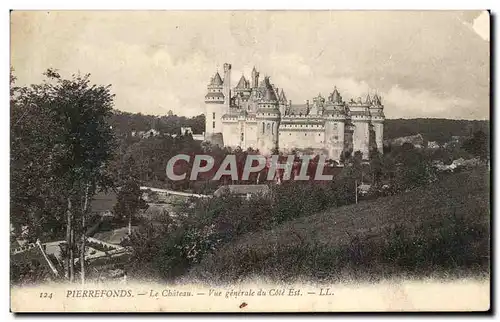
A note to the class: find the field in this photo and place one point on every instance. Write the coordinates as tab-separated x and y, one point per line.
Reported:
441	229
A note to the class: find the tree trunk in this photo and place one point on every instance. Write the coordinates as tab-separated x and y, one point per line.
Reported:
130	224
82	252
72	253
82	249
67	273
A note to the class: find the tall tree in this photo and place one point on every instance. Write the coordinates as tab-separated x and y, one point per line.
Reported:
129	202
61	143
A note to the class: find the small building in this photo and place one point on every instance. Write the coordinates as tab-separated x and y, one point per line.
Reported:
433	145
244	190
364	189
417	140
186	130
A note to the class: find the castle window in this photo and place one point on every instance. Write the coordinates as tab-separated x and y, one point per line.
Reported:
263	128
213	115
336	137
242	136
213	124
268	127
305	134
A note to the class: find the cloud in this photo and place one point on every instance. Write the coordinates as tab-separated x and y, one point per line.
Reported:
404	103
159	61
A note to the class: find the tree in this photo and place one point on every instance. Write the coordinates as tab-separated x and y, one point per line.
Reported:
129	202
61	143
478	145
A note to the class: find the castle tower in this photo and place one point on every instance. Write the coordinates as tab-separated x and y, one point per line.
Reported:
335	117
214	109
268	120
227	87
360	118
282	102
255	78
377	120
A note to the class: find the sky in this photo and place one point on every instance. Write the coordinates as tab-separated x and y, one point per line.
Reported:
423	63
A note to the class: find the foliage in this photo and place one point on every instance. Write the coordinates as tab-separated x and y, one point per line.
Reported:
129	201
478	145
440	130
124	123
390	236
60	144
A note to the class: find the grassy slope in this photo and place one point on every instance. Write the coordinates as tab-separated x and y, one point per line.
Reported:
277	252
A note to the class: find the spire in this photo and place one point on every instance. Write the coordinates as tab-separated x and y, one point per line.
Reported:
368	99
242	83
282	96
217	80
335	97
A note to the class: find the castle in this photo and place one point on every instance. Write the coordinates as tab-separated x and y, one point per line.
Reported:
258	115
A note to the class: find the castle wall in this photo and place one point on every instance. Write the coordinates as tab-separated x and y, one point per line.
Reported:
334	138
231	133
213	118
267	135
379	135
240	132
250	135
301	136
361	136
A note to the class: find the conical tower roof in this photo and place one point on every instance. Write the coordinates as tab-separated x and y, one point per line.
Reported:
269	92
217	80
282	96
368	100
336	98
242	83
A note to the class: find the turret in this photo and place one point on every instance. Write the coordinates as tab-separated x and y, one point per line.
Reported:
335	117
282	102
360	118
377	120
268	119
214	109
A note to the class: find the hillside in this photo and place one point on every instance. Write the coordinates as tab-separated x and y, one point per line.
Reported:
440	130
441	228
124	123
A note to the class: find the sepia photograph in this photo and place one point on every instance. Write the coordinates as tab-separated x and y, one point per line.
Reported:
250	161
